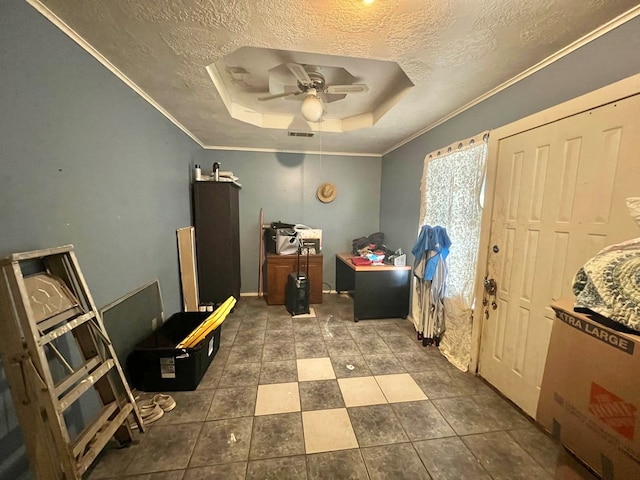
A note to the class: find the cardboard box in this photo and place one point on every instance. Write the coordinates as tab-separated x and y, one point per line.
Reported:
155	365
590	395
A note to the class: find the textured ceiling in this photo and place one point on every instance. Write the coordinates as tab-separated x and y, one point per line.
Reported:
249	74
453	51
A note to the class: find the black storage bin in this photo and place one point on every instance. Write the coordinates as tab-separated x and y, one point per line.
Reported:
155	365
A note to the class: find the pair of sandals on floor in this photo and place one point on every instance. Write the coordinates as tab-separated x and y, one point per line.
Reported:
154	408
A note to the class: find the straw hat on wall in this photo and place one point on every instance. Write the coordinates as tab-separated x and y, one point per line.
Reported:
327	192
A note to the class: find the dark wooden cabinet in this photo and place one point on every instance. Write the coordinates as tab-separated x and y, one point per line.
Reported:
217	224
278	268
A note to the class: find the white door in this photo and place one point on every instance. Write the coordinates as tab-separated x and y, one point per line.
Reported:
559	197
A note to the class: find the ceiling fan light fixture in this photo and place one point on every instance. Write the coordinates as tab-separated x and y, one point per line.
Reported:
312	107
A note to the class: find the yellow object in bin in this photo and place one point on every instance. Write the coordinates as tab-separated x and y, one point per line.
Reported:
208	325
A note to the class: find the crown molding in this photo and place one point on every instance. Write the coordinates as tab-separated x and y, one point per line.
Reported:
593	35
71	33
589	37
277	150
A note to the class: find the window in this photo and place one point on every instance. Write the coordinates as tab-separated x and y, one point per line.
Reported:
452	192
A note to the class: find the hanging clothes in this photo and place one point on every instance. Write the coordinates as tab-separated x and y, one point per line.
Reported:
430	268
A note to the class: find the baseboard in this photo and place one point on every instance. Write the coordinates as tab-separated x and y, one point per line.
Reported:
255	294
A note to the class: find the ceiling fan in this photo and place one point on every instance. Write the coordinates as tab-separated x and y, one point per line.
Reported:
313	84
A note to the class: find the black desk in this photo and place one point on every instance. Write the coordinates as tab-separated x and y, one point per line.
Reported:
379	291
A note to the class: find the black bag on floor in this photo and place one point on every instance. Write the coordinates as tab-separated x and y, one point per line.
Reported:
297	290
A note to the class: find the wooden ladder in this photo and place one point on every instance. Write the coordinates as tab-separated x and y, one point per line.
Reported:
43	299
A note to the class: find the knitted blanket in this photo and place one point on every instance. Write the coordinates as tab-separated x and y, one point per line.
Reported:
609	284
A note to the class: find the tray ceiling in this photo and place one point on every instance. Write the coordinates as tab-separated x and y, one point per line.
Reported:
452	51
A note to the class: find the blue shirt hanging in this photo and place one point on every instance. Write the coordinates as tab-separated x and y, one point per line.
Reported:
434	243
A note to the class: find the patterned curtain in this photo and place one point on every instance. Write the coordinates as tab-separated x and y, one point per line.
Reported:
452	197
451	192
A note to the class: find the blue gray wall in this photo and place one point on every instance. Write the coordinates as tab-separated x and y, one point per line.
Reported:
284	185
610	58
83	160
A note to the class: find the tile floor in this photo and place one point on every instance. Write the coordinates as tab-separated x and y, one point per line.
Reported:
327	398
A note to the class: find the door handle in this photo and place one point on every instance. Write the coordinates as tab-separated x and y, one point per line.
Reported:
490	286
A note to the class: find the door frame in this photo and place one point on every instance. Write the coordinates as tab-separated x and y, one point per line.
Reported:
608	94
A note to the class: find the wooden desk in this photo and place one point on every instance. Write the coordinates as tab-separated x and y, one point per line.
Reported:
278	268
379	291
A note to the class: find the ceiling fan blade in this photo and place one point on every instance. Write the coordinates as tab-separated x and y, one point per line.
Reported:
300	73
278	95
345	89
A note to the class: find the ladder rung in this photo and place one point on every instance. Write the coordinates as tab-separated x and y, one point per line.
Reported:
51	322
90	431
77	375
84	385
66	328
103	437
16	257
